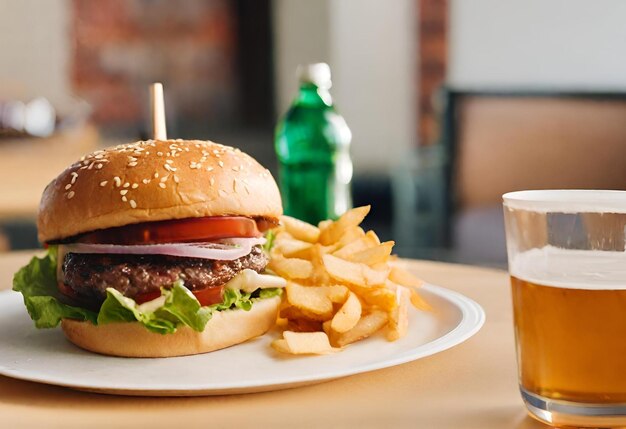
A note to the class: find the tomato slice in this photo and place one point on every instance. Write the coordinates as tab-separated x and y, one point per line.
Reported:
210	295
174	231
148	296
207	296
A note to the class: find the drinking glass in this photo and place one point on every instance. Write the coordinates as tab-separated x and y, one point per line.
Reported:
567	261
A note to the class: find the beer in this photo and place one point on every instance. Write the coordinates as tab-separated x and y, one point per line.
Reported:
570	323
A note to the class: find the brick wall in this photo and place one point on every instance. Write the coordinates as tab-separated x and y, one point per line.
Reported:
432	59
123	45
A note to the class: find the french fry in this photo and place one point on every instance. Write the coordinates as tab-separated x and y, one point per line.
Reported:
292	248
333	232
374	255
373	237
324	224
404	278
300	230
399	318
291	268
353	273
342	285
337	293
351	234
303	343
357	245
419	302
366	326
281	346
381	298
313	301
320	275
348	315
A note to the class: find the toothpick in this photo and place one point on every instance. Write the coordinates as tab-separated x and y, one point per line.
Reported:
159	130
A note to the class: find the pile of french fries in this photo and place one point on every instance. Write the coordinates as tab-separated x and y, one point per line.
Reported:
342	285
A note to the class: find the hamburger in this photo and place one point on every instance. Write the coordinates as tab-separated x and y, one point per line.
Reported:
156	249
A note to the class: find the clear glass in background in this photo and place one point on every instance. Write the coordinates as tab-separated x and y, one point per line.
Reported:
567	260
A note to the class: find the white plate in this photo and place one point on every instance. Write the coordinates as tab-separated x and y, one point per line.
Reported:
45	356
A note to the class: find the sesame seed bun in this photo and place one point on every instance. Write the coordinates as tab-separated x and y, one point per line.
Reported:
155	180
225	329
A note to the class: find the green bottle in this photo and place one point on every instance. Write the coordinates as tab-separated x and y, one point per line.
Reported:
313	149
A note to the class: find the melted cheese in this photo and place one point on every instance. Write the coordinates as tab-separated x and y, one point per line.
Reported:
249	280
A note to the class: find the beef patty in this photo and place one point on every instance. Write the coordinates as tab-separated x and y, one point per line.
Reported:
89	275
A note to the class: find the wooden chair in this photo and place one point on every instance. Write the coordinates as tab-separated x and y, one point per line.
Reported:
497	142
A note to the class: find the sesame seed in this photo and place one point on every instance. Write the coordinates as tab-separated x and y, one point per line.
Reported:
146	181
98	166
235	168
124	192
176	178
135	186
164	178
68	186
118	181
70	194
74	176
104	183
132	164
124	199
133	204
99	156
221	164
156	175
162	185
169	161
212	181
209	169
126	185
160	153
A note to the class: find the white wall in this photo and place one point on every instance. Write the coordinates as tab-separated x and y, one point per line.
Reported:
370	46
34	47
538	43
301	30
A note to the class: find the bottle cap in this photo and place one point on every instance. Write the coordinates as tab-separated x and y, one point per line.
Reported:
318	74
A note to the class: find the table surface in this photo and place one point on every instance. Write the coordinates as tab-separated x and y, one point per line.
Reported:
473	385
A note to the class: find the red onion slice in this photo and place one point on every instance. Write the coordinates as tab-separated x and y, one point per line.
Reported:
223	250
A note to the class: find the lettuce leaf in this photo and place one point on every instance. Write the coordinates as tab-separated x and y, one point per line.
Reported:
176	307
38	285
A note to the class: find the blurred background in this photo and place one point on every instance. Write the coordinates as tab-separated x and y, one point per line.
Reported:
450	103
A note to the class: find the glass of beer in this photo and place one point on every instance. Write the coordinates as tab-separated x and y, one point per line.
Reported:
567	260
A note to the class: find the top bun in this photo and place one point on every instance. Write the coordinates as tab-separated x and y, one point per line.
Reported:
155	180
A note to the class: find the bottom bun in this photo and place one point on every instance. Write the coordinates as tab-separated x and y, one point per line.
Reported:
226	328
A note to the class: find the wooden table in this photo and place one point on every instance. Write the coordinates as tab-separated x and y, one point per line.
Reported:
473	385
